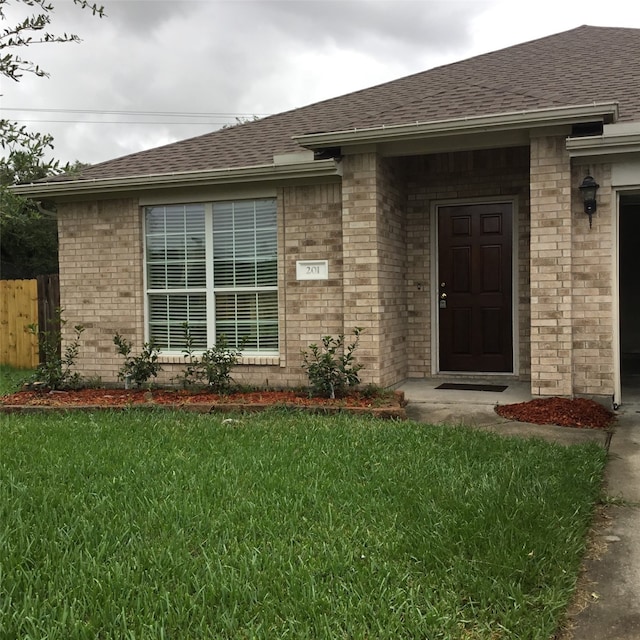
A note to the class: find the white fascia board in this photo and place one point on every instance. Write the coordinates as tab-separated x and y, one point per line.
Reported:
260	173
615	139
605	111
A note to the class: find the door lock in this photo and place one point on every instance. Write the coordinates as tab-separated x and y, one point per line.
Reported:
443	296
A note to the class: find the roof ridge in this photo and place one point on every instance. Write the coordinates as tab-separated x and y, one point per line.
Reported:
540	73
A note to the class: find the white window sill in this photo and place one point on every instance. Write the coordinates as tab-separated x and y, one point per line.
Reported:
260	360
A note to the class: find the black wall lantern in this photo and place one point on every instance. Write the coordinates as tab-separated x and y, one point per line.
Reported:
588	189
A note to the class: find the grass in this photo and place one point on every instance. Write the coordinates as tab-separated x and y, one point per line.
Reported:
11	378
173	525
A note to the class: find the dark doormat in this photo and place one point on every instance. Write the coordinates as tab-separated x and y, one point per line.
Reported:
472	387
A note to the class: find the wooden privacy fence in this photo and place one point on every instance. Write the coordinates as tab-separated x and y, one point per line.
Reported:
25	302
18	309
48	302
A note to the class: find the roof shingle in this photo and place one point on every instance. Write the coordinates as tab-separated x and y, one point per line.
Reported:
586	64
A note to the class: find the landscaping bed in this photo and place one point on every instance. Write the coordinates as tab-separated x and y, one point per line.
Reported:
382	404
579	413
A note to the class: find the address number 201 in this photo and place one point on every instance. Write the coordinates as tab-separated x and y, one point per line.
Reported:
312	269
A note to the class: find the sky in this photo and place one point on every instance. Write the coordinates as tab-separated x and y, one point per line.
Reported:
155	71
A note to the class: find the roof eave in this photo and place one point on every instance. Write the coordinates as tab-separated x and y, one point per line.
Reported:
614	140
212	177
535	118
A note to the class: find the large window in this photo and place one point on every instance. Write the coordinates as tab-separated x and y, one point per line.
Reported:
213	266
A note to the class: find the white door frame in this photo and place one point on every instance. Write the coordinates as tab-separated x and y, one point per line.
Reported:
616	194
617	373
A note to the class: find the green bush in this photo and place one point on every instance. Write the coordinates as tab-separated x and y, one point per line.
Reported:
331	367
217	363
55	368
213	368
138	369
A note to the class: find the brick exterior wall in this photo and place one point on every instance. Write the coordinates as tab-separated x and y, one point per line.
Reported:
392	267
375	230
101	284
310	229
592	290
551	267
571	276
362	306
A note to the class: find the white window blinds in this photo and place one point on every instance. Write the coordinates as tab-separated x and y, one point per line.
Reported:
227	285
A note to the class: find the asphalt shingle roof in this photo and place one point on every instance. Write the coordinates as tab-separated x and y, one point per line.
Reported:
580	66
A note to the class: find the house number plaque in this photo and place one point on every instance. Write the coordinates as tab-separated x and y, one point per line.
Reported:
312	269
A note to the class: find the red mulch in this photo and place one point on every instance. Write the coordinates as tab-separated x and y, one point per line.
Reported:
123	398
565	412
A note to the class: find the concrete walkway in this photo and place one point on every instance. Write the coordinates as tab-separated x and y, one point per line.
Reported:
611	610
613	576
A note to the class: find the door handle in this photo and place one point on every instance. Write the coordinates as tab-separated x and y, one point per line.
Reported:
443	296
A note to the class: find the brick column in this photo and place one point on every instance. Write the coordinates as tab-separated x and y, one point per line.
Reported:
360	255
375	264
551	268
594	298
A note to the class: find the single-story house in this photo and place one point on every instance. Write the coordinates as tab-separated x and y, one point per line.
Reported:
453	215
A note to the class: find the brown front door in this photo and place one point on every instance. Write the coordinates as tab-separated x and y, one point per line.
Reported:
475	288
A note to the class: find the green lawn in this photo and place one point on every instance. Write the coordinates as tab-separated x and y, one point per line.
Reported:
11	378
152	525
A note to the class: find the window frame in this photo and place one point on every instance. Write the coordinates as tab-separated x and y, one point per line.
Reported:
210	290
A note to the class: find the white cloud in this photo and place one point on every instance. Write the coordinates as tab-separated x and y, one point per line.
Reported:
250	57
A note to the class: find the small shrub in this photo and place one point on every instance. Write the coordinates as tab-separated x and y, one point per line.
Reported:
331	367
217	363
139	369
55	368
213	368
193	374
